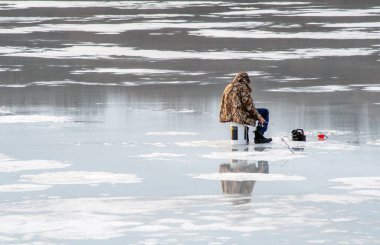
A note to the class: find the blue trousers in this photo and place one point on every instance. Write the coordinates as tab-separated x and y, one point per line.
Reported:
265	114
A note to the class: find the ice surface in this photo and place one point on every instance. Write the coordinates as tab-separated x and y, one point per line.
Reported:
9	164
32	119
102	4
171	133
23	187
4	111
354	25
162	156
257	34
80	178
372	88
112	52
328	132
338	199
281	3
312	89
120	71
248	177
374	142
354	183
9	69
157	144
290	79
69	82
13	85
105	218
117	28
26	19
335	12
272	155
205	143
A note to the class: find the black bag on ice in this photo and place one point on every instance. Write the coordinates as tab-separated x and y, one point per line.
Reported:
298	135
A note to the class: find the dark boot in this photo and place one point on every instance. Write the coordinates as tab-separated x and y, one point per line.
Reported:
260	139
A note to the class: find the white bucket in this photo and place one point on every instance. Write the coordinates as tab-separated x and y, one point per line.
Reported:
239	134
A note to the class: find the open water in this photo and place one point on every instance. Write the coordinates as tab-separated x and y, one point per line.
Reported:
109	129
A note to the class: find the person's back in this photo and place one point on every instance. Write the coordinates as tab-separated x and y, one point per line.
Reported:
232	107
237	106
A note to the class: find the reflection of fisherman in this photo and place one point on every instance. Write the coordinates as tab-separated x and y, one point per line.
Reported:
237	106
241	187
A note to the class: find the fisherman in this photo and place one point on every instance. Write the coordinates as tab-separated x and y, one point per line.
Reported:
237	106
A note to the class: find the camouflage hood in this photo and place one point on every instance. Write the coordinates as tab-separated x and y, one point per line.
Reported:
242	78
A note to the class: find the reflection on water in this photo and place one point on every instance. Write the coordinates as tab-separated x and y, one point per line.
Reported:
242	166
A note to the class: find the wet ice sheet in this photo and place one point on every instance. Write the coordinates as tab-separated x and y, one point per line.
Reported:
127	71
80	177
374	142
113	52
356	183
312	89
304	12
170	133
205	143
248	176
101	4
340	35
10	119
326	88
105	218
23	188
290	3
280	154
25	19
9	164
372	88
162	156
5	111
124	27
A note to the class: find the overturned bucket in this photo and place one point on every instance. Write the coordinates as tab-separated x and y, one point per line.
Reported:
239	134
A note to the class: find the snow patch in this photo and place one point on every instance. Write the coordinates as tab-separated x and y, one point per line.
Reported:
4	111
32	119
204	143
161	156
119	71
374	142
157	144
257	34
312	89
354	25
23	188
9	164
372	88
80	178
134	5
114	52
355	183
281	3
170	133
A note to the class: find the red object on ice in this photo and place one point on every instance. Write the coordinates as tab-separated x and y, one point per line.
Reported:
322	136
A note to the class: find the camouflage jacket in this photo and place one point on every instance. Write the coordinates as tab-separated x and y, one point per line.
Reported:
237	104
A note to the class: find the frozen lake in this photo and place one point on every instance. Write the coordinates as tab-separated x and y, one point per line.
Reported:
110	134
